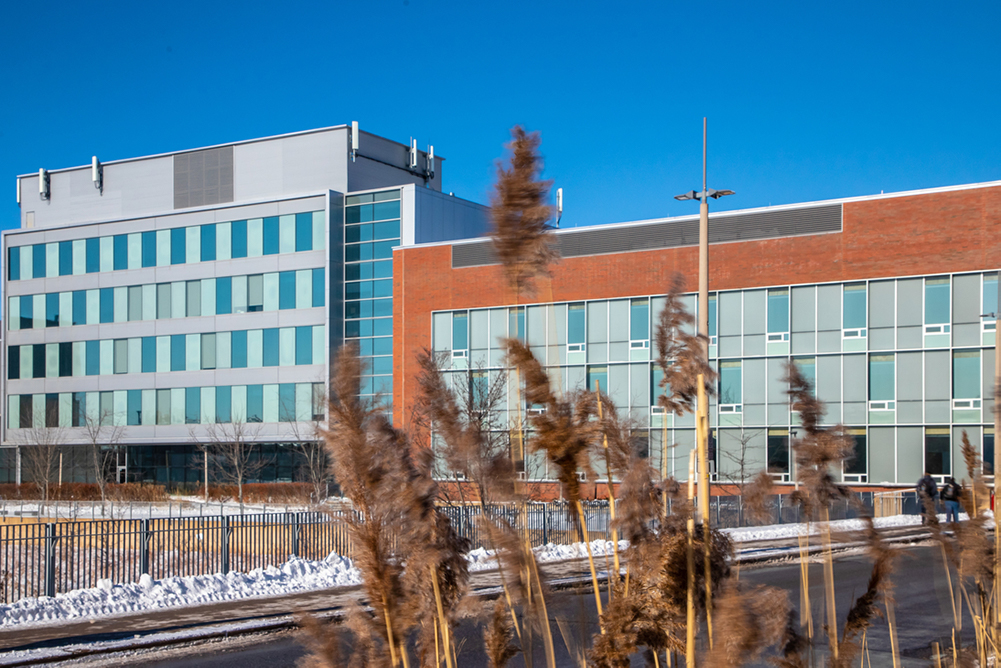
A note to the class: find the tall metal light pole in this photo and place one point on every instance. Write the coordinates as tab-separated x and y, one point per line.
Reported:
702	418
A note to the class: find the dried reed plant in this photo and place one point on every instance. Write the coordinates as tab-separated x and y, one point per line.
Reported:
679	354
520	215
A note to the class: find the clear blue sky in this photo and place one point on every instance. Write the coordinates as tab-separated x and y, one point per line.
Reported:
805	101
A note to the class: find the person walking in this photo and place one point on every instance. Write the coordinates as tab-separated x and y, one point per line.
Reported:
927	493
951	492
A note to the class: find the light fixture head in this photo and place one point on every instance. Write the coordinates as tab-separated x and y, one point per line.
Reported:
716	194
691	194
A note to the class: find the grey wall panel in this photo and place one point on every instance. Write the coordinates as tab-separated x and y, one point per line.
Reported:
910	337
829	307
729	316
290	165
618	320
833	414
753	381
854	412
881	304
909	301
804	305
829	378
881	339
618	384
575	377
882	455
966	301
938	375
910	454
639	385
754	312
536	326
803	343
754	344
203	178
597	322
777	389
909	376
910	412
441	217
975	437
754	414
729	346
684	441
855	378
597	353
829	342
479	330
966	335
778	415
938	411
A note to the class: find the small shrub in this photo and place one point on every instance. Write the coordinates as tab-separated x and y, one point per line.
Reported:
135	491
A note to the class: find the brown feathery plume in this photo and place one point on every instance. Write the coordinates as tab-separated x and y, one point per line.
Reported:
323	645
521	237
679	354
749	622
498	636
756	495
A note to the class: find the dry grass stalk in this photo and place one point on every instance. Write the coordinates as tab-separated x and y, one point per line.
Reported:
750	622
520	214
679	354
498	637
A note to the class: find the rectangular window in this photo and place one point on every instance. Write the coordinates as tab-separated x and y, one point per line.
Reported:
639	323
208	351
730	387
989	308
194	298
121	361
135	302
65	258
808	367
303	231
13	363
149	249
120	252
319	289
52	309
192	405
778	452
576	328
78	409
93	255
937	448
14	264
38	261
93	358
857	465
516	323
271	348
286	290
223	403
255	293
208	243
882	382
712	319
163	406
149	354
178	249
937	305
134	408
597	375
966	378
65	359
239	349
223	295
163	298
178	352
79	307
460	334
271	239
255	403
778	315
27	312
286	402
988	456
51	410
854	311
303	345
107	305
238	239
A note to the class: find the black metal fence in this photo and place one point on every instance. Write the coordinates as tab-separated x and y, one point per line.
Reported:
39	559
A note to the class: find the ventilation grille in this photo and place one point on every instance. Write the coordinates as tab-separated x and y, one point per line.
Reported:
673	234
203	177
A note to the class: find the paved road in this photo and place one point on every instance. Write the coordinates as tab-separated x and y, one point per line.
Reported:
924	615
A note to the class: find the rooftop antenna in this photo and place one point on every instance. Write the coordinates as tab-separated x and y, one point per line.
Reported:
430	162
43	183
19	191
413	153
354	140
559	206
97	173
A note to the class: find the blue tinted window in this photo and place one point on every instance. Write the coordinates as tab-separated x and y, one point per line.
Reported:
52	309
107	305
355	252
271	238
121	252
303	231
92	254
384	210
382	346
134	410
177	352
361	309
192	405
38	360
387	230
178	248
14	264
303	345
223	403
65	258
881	377
355	328
239	349
65	359
382	327
383	249
238	239
286	402
255	403
149	354
319	287
27	315
382	288
208	243
286	289
93	352
13	363
224	295
80	307
382	269
382	307
38	261
353	272
271	347
149	249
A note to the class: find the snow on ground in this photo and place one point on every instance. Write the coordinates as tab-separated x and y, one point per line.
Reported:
300	575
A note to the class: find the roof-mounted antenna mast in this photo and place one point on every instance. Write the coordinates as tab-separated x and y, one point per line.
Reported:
429	172
559	206
354	140
97	173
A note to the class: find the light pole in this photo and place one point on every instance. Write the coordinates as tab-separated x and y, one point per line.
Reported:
997	455
702	419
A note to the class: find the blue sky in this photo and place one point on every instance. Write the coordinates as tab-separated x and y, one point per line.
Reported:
805	101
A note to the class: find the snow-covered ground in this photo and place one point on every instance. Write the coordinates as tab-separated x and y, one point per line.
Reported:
299	575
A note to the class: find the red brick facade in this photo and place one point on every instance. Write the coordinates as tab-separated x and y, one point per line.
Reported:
924	233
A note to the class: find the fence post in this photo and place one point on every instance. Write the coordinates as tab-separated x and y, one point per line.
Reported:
224	543
545	524
296	533
50	559
144	536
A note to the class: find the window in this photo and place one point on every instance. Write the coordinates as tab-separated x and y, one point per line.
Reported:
272	239
460	334
13	363
208	351
178	352
239	349
516	324
990	302
271	347
27	309
303	231
65	359
854	311
639	323
107	305
38	261
223	403
208	236
121	363
597	375
149	249
966	379
576	328
656	377
988	456
882	382
79	307
857	465
92	252
93	352
65	258
120	252
223	295
778	453
937	459
712	320
319	292
14	264
937	308
255	403
808	367
192	405
286	290
134	407
319	401
778	315
238	238
52	309
178	248
194	298
149	354
255	293
730	388
286	402
303	345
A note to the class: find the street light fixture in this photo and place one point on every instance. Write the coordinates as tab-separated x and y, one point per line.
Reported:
703	409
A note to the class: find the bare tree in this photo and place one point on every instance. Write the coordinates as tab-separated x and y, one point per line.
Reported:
739	473
307	433
231	449
40	447
104	438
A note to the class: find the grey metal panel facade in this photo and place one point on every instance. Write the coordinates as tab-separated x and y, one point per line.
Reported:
441	217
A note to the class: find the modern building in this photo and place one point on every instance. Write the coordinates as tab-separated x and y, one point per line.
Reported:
878	299
172	293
